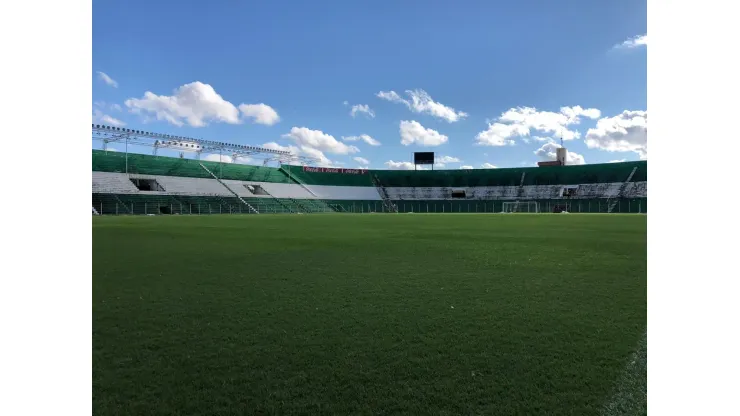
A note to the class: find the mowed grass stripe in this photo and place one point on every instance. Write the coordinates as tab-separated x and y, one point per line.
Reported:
630	395
360	314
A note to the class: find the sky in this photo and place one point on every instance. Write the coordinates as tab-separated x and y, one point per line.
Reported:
482	84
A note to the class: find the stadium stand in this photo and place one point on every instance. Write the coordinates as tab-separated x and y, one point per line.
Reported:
146	184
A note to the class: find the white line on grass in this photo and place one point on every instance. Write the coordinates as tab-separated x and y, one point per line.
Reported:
630	394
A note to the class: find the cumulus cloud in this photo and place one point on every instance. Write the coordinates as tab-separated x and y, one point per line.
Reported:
421	102
362	109
413	132
364	137
548	152
499	134
390	96
319	140
98	117
107	79
261	113
401	165
103	106
227	159
321	158
626	132
521	121
197	104
618	161
633	43
488	166
361	160
275	146
447	159
466	167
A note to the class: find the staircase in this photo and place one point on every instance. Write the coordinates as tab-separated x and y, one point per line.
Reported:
298	181
251	208
320	205
301	206
126	208
338	208
387	203
312	206
614	201
519	192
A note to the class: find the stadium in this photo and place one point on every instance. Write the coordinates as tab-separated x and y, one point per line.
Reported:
297	289
126	183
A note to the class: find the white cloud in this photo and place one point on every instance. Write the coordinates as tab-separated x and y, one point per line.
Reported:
319	140
108	80
197	104
466	167
364	137
218	158
322	160
401	165
275	146
261	113
447	159
103	105
413	132
391	96
361	160
626	132
499	134
618	161
98	117
227	159
632	43
548	152
547	121
488	166
521	121
362	108
421	102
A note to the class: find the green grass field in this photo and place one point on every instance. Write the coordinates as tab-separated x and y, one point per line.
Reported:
443	314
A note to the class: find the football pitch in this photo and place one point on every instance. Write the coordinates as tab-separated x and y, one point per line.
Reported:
442	314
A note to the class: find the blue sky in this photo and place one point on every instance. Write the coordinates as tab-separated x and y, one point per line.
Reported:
481	82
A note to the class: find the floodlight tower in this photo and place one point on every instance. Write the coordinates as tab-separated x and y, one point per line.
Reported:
108	134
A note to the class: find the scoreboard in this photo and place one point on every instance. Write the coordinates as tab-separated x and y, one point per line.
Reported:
423	158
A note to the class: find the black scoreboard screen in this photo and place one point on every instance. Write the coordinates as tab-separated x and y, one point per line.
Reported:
423	158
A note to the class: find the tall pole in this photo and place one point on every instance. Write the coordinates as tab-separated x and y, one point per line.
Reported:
127	154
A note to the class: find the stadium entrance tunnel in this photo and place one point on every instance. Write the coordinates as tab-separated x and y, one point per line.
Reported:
560	208
256	190
458	194
145	185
